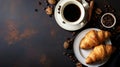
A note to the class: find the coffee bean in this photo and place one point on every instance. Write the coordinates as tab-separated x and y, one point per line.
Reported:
52	2
66	45
36	10
49	10
39	3
98	11
78	64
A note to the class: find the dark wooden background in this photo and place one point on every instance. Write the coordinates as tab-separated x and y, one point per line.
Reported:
30	38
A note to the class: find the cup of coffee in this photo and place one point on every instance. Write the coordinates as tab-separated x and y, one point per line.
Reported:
71	13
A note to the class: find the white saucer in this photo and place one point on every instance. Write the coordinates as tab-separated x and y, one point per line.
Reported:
81	54
60	21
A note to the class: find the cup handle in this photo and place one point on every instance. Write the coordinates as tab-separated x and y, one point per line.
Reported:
85	4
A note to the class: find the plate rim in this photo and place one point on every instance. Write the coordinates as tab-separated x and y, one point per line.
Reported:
77	51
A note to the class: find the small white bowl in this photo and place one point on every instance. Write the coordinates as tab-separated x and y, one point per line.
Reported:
113	16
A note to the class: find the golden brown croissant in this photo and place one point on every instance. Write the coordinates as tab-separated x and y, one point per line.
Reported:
94	38
99	53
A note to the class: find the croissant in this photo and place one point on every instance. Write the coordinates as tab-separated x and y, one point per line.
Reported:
94	38
99	53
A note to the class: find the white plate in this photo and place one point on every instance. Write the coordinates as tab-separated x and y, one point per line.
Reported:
60	21
81	54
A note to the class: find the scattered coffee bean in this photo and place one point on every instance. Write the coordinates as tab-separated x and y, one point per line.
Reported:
118	29
68	54
74	60
52	2
98	11
73	33
64	53
78	64
39	3
66	45
49	10
36	10
108	8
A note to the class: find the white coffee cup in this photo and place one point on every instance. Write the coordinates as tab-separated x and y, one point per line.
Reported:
79	9
71	8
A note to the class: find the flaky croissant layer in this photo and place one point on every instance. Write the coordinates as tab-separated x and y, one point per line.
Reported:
94	38
99	53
